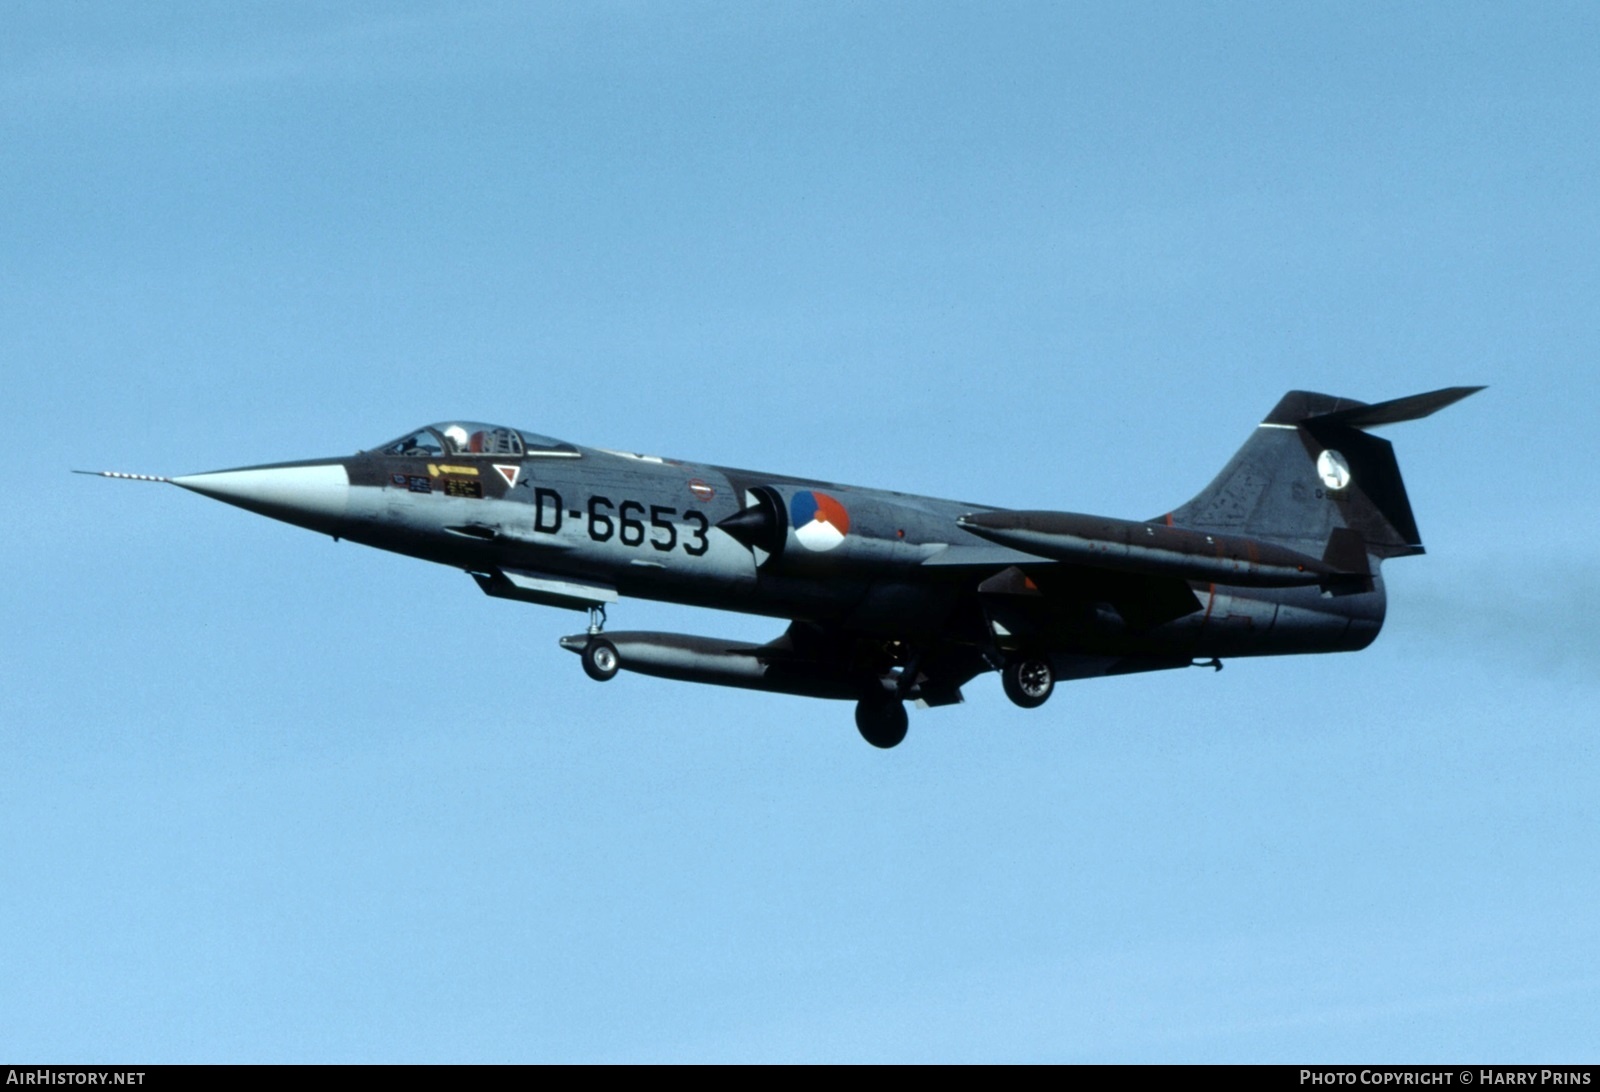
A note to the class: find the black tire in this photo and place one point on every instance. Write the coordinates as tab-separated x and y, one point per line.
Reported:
882	722
1028	680
600	659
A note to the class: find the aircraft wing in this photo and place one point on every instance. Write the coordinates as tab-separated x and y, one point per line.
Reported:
984	554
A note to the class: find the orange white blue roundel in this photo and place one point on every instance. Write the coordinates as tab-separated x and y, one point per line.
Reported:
820	522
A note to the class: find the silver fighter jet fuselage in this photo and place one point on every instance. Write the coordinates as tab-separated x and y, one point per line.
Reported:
891	597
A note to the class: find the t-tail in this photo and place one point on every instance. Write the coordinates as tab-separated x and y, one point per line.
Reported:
1312	479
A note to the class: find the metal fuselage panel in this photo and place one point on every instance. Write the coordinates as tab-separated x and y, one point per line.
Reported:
864	559
1278	621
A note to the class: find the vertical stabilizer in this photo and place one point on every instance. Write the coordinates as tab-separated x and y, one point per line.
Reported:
1311	478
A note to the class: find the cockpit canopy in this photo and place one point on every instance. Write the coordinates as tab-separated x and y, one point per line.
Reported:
468	438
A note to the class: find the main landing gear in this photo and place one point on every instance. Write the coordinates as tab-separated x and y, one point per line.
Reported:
882	722
881	715
1028	680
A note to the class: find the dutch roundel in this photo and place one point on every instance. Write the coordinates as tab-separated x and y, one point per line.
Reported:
820	522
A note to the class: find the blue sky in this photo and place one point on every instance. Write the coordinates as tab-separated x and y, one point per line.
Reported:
270	798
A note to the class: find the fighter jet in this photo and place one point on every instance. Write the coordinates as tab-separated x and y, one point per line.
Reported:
888	597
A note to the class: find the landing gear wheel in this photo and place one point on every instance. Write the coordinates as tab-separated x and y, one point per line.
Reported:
1029	681
882	722
600	659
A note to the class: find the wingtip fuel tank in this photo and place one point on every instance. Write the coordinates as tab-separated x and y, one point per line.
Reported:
1135	546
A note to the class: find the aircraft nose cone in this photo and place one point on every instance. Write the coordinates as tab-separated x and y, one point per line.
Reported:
313	495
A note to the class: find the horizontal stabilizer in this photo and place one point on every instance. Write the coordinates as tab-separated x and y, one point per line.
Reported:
1395	410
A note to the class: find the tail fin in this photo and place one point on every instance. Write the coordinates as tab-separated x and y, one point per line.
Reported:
1310	478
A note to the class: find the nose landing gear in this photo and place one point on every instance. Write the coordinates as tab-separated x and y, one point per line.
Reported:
600	659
